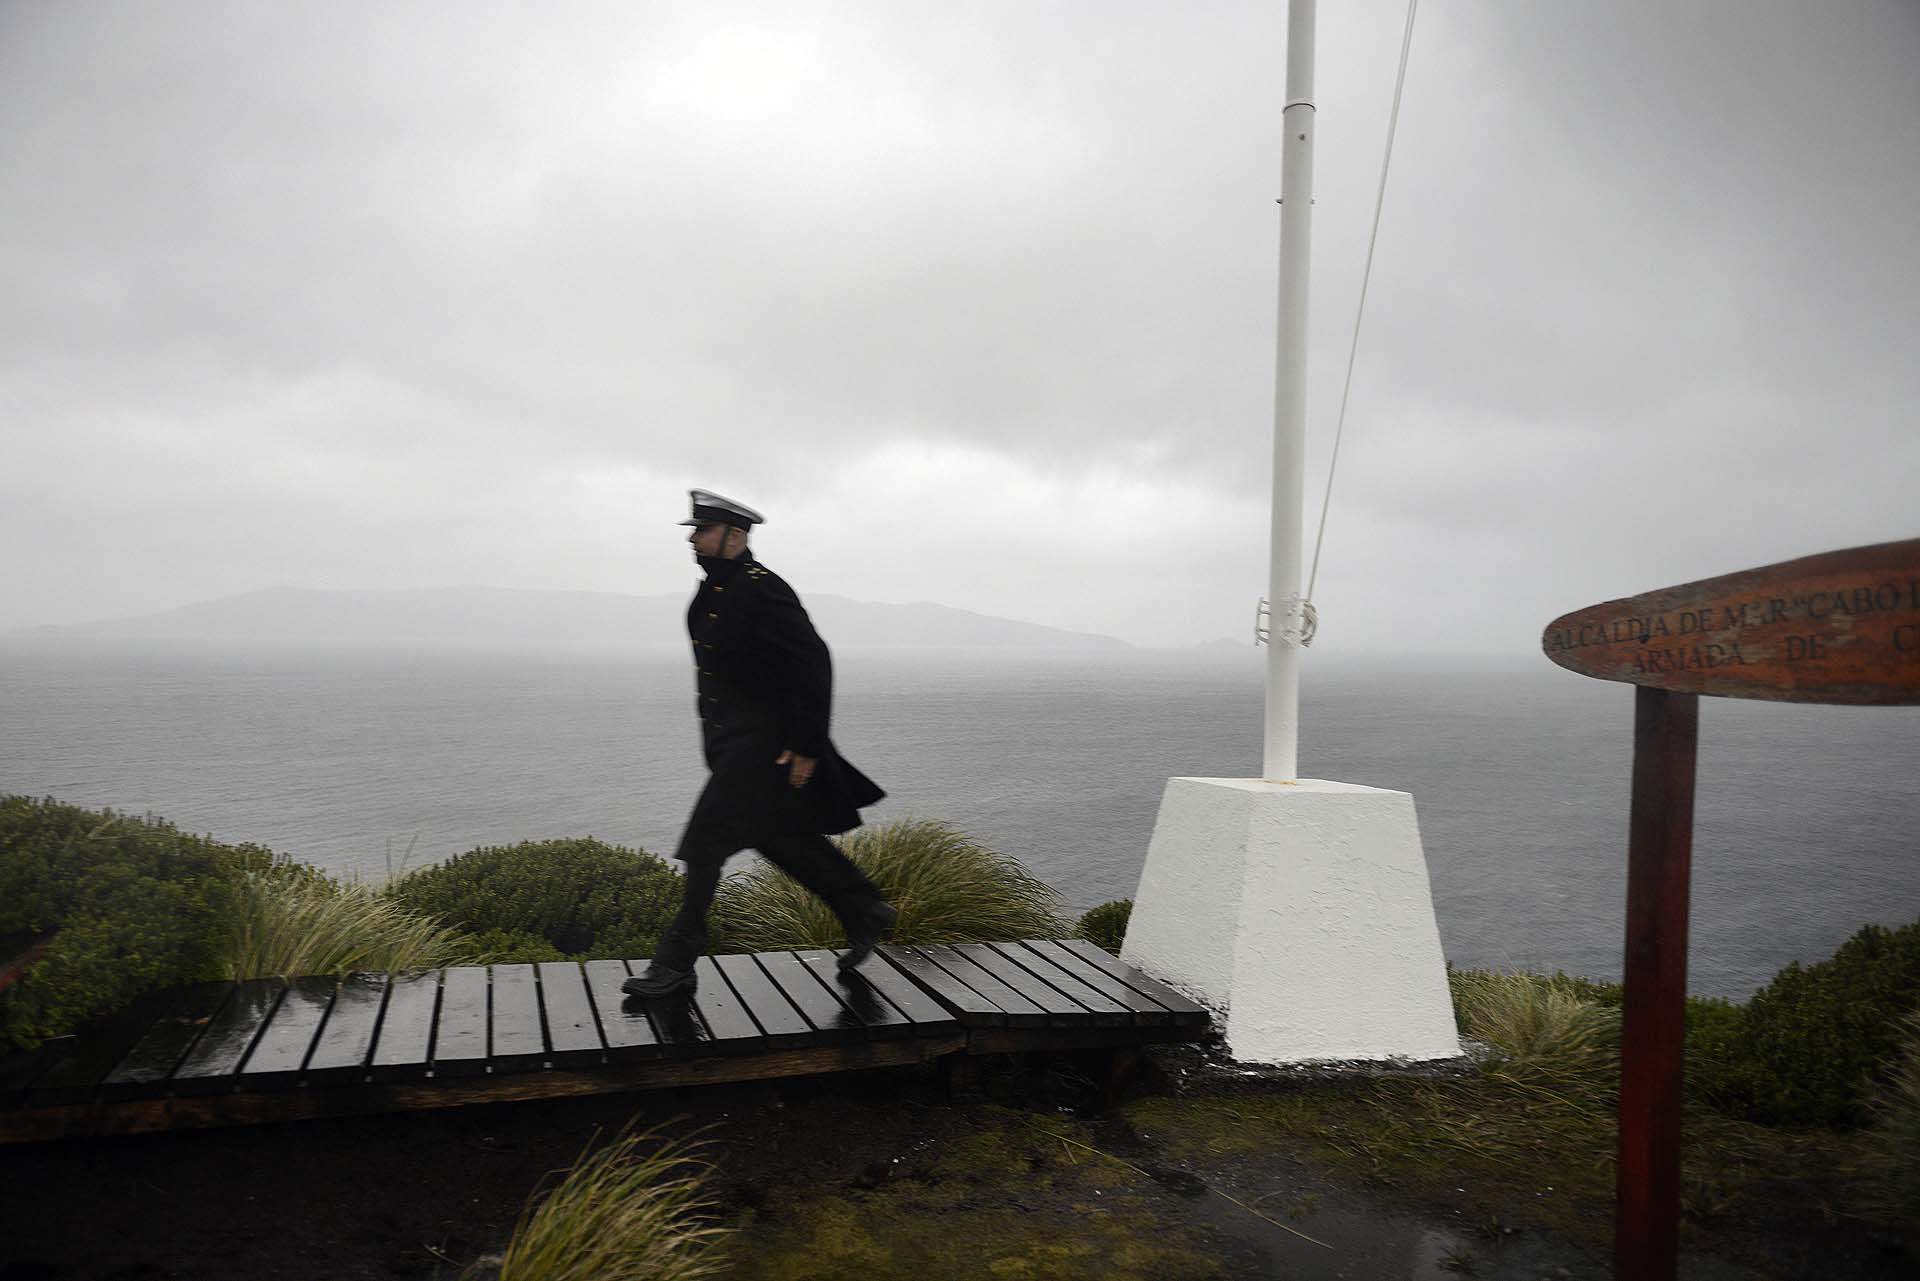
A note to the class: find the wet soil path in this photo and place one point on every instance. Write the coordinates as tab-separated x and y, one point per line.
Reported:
867	1175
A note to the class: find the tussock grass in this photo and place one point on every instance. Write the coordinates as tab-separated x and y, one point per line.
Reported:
632	1210
948	888
1889	1166
1544	1035
291	920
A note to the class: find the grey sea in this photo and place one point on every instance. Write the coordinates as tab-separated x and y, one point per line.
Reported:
1808	821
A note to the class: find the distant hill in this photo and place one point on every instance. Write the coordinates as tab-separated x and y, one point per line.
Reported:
508	618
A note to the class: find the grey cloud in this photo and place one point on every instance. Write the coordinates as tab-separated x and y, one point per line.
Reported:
435	294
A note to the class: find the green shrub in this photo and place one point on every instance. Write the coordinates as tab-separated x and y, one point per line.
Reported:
1810	1038
296	920
1801	1052
1890	1149
584	897
137	904
1106	924
948	889
1720	1070
621	1214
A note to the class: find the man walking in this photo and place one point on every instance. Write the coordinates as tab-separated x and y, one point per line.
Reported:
765	681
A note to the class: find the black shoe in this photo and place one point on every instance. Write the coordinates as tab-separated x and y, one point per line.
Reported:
659	980
863	939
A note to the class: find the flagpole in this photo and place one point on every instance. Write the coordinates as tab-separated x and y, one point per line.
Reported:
1251	887
1281	760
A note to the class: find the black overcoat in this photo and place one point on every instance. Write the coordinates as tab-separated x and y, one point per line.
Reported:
765	683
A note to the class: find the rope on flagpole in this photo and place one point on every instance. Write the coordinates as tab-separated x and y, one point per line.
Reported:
1380	200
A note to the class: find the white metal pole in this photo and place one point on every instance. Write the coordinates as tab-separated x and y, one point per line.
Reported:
1290	403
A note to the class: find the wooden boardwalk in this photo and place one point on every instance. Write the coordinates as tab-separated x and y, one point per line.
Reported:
273	1050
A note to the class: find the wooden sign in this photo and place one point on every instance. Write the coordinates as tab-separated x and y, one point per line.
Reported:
1841	627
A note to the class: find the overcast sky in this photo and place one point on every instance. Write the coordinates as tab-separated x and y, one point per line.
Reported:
975	301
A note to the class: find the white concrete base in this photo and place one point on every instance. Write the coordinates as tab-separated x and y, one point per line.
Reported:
1303	911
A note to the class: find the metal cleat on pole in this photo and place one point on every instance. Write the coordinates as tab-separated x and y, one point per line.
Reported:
1303	623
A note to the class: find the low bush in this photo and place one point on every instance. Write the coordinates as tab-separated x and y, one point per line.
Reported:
1803	1051
1719	1066
632	1210
1106	924
947	887
1808	1041
137	905
294	920
508	947
585	898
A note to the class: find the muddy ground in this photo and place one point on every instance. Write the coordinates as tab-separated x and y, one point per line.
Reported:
859	1176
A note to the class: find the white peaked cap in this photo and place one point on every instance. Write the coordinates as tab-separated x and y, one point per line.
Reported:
710	508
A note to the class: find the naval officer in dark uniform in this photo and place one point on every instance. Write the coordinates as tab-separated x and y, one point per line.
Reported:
777	785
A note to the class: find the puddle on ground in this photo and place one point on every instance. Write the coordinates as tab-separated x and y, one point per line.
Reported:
1357	1245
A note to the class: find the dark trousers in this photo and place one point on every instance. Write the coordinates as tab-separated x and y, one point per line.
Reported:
812	860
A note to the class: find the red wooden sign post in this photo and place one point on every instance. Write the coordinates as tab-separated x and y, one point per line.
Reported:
1843	627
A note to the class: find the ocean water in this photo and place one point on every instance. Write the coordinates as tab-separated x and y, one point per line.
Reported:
1807	823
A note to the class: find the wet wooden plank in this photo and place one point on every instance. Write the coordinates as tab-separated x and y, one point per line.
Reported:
572	1031
677	1023
733	1029
863	1001
1146	1011
1185	1012
460	1033
345	1040
151	1061
19	1069
969	1008
683	1033
782	1024
1015	1009
518	1041
1060	1008
70	1068
828	1017
281	1052
628	1031
406	1029
1075	1036
1102	1010
928	1016
214	1061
